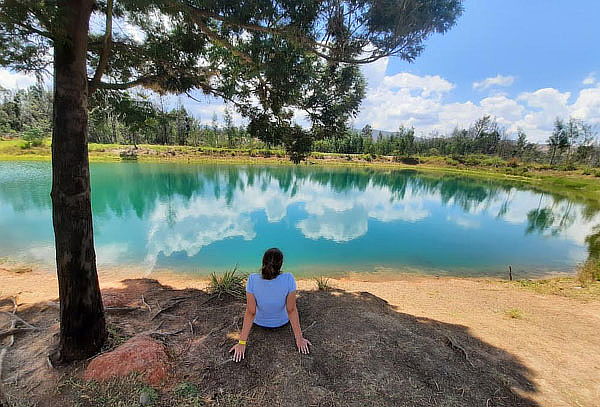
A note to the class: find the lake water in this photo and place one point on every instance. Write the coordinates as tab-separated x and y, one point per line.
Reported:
202	218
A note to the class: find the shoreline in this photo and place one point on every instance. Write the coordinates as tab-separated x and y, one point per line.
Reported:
17	279
573	184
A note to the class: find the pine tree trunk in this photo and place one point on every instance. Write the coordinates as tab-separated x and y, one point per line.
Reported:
82	324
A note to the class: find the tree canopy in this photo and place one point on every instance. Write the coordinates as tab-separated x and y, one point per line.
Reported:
267	58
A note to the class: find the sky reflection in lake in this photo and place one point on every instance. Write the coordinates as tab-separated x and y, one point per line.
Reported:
200	218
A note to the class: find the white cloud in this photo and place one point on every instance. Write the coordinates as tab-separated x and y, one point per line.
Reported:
15	80
427	85
590	79
420	101
498	80
375	71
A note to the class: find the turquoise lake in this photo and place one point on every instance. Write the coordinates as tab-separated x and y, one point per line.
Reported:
202	218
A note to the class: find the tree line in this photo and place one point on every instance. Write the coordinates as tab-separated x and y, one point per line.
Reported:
128	118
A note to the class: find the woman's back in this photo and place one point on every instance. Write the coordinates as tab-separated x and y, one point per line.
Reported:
271	298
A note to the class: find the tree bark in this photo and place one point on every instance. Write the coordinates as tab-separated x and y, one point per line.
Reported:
82	324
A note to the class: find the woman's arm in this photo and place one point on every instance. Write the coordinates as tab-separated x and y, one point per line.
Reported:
292	311
239	349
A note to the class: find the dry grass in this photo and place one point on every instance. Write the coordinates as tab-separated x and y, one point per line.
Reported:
123	392
589	272
563	286
514	313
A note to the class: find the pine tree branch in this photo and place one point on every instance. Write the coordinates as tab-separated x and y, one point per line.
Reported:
106	46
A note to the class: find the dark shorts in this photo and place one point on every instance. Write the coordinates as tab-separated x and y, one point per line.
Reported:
269	328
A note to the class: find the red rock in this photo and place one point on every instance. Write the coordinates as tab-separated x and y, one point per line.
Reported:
140	354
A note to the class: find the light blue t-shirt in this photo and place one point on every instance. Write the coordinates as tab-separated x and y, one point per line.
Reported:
270	298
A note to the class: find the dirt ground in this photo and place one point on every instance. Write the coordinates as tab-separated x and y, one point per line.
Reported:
413	341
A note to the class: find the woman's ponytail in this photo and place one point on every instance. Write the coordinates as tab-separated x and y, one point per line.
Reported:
271	264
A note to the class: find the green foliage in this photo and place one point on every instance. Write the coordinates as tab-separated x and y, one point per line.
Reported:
231	283
119	392
322	283
298	143
589	272
187	395
34	136
267	58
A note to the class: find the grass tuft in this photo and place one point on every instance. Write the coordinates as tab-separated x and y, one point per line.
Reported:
588	272
231	283
322	283
119	392
514	313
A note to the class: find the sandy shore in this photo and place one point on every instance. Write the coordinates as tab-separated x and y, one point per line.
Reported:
554	336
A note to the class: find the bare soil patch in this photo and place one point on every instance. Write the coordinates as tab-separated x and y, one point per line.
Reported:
365	353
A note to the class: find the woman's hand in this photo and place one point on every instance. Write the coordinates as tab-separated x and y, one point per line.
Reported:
302	345
239	351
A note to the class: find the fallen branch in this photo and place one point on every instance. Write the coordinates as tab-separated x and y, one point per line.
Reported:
159	333
121	309
310	326
18	318
3	400
455	346
14	331
168	307
146	304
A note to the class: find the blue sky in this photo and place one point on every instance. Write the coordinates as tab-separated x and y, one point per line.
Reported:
525	62
542	43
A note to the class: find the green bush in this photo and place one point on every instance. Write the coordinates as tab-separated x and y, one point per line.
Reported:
567	167
34	137
513	162
451	161
231	283
493	162
322	283
589	272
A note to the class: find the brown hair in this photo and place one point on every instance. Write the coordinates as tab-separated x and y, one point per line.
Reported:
271	263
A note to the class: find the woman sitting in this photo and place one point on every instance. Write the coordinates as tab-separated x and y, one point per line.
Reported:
270	303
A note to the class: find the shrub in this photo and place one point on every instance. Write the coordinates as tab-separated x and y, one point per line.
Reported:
128	155
451	161
521	171
513	162
493	162
231	283
410	160
34	136
587	171
322	283
596	173
567	167
471	160
588	272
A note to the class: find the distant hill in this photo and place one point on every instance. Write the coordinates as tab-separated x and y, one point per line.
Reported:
376	132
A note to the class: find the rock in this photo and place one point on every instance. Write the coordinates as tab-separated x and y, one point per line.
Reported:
140	354
145	398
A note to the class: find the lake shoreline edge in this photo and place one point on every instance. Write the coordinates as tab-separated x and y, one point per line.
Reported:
573	183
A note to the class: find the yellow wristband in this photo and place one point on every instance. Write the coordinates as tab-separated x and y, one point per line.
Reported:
242	342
